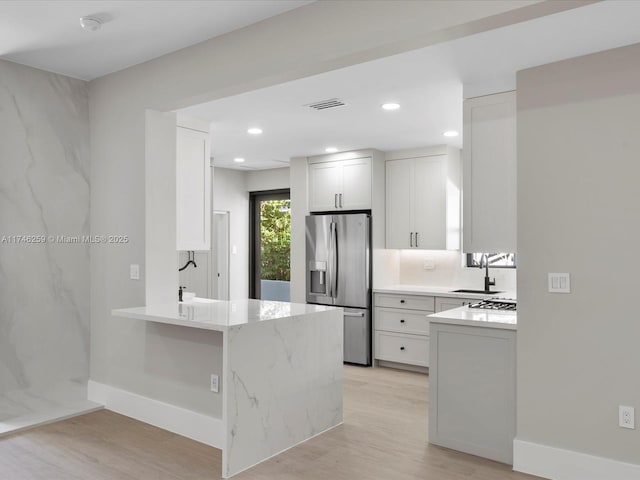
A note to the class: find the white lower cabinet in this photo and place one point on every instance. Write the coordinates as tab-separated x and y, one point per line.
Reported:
402	328
447	303
472	390
402	348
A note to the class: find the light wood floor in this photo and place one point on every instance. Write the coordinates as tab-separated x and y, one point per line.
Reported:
384	437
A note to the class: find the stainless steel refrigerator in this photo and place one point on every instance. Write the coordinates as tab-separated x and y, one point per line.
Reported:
339	273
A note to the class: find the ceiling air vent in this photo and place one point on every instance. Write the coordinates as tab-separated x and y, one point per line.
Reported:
324	104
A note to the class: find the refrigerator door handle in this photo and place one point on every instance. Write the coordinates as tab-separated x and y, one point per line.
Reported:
335	200
334	259
411	239
340	200
417	240
330	272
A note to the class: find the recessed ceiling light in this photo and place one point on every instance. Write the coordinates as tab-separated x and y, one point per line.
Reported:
390	106
91	24
254	131
238	160
331	149
450	133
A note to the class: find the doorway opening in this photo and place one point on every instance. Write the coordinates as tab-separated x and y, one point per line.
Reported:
270	245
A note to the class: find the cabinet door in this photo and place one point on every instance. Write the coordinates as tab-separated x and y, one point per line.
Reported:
356	184
489	173
430	206
325	184
193	190
399	203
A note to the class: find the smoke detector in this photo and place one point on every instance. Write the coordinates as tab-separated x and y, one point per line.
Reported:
90	24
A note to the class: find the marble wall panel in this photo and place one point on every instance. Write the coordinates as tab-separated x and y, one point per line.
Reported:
44	194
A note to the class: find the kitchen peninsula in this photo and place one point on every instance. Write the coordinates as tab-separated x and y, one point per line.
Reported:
472	380
280	370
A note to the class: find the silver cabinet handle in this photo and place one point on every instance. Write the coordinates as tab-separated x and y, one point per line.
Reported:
417	240
335	200
359	314
340	200
411	239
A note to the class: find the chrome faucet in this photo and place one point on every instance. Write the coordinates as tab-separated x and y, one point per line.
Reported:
488	283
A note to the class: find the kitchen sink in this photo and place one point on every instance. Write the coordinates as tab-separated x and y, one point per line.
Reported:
479	292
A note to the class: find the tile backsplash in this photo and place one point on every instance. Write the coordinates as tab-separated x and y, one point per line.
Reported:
436	268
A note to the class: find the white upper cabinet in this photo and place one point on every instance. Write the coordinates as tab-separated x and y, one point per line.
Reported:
340	184
193	187
489	173
423	206
400	202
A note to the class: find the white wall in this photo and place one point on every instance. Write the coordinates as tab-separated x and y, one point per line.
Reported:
44	190
160	200
578	211
299	210
272	179
230	194
289	46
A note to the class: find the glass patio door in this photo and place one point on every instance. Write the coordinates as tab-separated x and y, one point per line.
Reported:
270	240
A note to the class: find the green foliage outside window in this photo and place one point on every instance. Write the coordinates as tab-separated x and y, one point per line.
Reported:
275	232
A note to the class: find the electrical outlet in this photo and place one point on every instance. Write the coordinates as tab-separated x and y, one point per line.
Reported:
214	383
626	417
429	265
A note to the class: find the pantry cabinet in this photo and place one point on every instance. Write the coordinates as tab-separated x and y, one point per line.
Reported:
489	173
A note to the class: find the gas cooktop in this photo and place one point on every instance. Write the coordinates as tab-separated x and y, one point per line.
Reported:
495	304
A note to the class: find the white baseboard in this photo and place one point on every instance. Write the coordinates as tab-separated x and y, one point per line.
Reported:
199	427
559	464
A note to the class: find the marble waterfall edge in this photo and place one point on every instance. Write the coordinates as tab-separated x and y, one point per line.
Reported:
44	301
275	391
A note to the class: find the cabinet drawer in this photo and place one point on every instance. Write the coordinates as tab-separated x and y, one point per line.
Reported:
411	302
402	321
447	303
397	347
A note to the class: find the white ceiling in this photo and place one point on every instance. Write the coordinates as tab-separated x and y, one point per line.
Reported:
428	83
47	34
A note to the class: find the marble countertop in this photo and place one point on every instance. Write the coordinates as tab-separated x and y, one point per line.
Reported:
218	315
474	317
440	291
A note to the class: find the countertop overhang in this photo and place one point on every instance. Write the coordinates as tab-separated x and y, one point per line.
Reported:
506	320
219	315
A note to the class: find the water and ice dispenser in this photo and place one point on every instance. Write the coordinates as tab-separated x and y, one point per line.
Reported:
318	278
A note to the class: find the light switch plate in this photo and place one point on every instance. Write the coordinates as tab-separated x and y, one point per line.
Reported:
559	283
134	271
